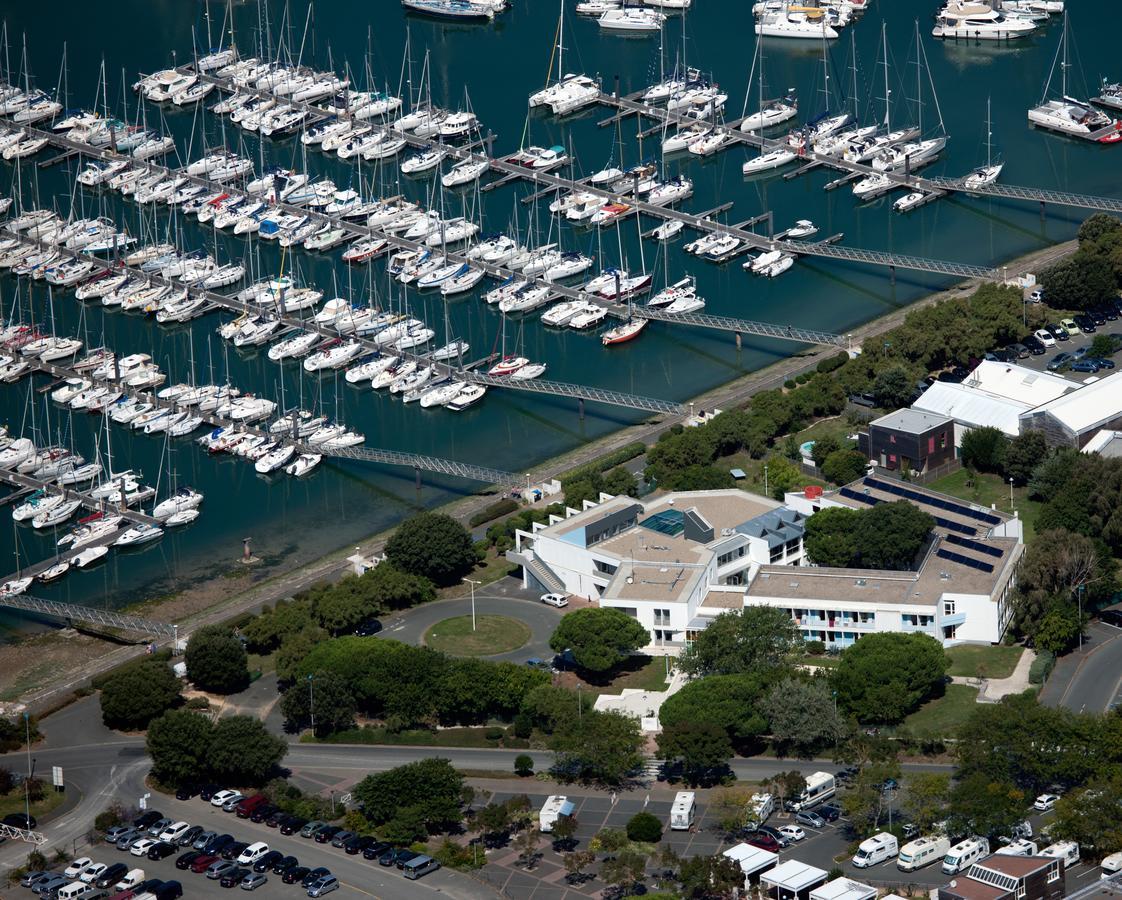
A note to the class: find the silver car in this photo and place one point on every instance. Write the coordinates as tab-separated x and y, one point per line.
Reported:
130	837
253	881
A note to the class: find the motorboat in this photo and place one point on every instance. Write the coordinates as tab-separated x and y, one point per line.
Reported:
183	498
909	156
303	464
636	19
983	175
910	201
464	172
141	533
771	263
668	230
469	395
540	159
792	21
424	161
975	21
274	459
801	229
56	515
88	557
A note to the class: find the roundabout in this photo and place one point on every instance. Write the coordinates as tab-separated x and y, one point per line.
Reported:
492	635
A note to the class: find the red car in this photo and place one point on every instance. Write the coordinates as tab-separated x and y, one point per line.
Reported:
763	840
201	864
250	805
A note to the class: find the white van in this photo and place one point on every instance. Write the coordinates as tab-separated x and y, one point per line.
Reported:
923	851
1068	851
132	878
76	891
762	806
964	853
876	849
820	786
1112	865
554	808
682	812
419	867
1019	847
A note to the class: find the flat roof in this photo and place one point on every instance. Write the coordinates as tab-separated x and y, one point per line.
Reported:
1106	443
972	407
1090	406
751	859
911	421
793	875
843	889
669	582
1019	383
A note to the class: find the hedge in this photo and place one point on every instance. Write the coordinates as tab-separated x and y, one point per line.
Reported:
496	509
832	363
610	461
1041	667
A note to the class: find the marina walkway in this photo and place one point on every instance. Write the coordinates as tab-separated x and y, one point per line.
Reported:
70	612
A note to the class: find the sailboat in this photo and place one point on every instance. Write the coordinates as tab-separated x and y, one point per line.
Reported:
569	92
988	173
1067	115
771	112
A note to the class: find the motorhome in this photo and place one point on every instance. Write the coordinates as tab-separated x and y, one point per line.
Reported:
1111	865
1019	847
922	852
962	854
1068	851
683	810
760	807
554	808
820	787
876	849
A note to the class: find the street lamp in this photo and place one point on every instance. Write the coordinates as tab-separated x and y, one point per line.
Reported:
765	481
311	702
1079	600
1011	493
473	584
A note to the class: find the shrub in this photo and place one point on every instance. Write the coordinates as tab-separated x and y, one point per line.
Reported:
815	648
1041	667
109	817
523	764
644	827
198	703
831	363
802	378
618	457
496	509
790	384
494	734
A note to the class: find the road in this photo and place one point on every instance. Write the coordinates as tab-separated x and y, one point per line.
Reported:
1089	680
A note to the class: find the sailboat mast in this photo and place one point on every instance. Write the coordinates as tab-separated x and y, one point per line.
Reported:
887	90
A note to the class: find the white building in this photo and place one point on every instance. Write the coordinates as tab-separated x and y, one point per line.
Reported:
676	562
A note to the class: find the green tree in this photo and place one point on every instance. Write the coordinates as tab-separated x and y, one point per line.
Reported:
731	702
706	877
1098	226
620	483
1092	816
978	805
493	820
703	748
575	863
893	387
926	797
624	869
178	743
216	660
243	751
434	546
137	693
431	786
269	628
823	447
564	832
783	476
645	828
866	802
802	715
886	536
600	638
885	676
330	699
599	748
844	466
295	648
1103	346
984	449
1059	629
751	640
1024	453
1081	281
553	708
830	538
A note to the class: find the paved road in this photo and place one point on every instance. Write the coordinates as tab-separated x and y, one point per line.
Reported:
1089	680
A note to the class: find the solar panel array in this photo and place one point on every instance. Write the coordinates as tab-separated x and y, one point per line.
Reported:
969	561
954	526
992	878
948	505
987	549
859	497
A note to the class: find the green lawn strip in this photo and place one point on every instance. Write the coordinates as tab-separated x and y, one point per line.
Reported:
492	634
646	673
941	717
996	662
444	737
14	802
825	661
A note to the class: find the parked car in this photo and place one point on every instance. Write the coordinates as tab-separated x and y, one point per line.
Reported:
231	804
147	818
283	865
233	877
45	886
1111	617
184	860
389	858
30	879
249	805
234	850
1101	362
1019	350
341	838
829	812
222	797
292	824
1034	346
204	839
263	812
309	829
92	872
275	819
1036	296
557	600
1070	325
1045	802
1057	331
1003	354
159	827
203	863
128	838
357	844
763	840
1059	361
219	844
1086	365
1044	337
115	833
780	837
792	832
811	819
112	875
207	792
219	868
77	867
186	791
376	849
1086	323
252	881
325	833
1095	315
295	875
323	886
314	875
252	853
130	880
369	628
191	835
161	850
142	846
169	890
266	862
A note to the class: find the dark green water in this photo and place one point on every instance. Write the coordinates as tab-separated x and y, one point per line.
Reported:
499	66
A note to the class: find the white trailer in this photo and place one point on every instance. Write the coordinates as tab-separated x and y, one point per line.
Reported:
683	810
555	806
820	786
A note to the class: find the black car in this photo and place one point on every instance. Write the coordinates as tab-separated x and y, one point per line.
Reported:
404	856
369	628
147	818
233	877
266	862
186	791
189	836
24	821
357	844
1033	344
1057	331
207	791
295	875
1096	315
161	850
1086	323
152	884
112	875
1005	355
315	875
292	824
274	819
234	850
375	850
220	843
1111	617
283	865
169	890
184	860
325	834
262	812
1108	311
829	812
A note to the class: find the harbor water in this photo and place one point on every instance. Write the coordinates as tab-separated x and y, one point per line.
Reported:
492	68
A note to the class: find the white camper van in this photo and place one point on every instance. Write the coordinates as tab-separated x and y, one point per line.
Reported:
1019	847
682	812
820	787
876	849
1068	851
923	851
960	857
554	808
761	806
1111	865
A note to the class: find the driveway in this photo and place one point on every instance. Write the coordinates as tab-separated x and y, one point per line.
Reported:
505	597
1089	680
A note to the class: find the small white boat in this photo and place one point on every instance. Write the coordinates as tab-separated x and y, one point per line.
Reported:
138	534
88	557
636	19
303	464
802	228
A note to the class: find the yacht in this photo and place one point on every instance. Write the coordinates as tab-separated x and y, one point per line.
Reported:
773	159
980	22
910	155
469	395
772	113
623	333
635	19
303	464
790	21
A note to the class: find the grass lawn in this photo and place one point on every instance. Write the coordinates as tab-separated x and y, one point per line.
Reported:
646	673
489	571
940	717
13	802
989	490
825	661
753	482
493	634
997	662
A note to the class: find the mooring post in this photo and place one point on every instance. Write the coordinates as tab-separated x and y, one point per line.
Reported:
738	346
892	275
615	91
417	474
580	407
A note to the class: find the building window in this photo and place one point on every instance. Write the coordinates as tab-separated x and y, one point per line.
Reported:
931	444
792	547
605	568
892	458
1053	875
776	553
948	607
892	439
943	440
662	617
738	553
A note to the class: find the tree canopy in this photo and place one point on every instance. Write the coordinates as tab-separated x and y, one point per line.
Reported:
886	675
702	748
137	693
243	751
730	702
426	792
755	639
802	716
600	638
434	546
324	696
178	743
598	748
885	536
984	449
216	660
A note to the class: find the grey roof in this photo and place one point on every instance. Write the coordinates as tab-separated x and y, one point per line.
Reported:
911	421
777	526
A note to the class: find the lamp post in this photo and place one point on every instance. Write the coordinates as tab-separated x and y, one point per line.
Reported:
765	480
473	584
578	702
311	702
27	781
1011	493
1079	600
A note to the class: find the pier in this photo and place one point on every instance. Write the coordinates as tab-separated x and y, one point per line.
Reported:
69	612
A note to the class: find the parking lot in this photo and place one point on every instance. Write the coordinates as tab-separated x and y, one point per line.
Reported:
1076	342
